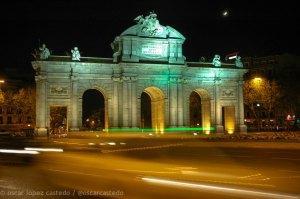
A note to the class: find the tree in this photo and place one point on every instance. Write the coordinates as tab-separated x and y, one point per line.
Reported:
7	98
24	103
262	96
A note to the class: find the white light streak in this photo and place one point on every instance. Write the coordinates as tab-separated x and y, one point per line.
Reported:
111	143
219	189
43	149
18	151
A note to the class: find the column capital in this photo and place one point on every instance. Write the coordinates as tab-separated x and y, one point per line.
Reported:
129	78
126	78
173	80
116	79
134	79
40	78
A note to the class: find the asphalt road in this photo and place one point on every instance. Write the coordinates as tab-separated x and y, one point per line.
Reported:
150	168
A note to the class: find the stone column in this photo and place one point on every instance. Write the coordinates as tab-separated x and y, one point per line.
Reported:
74	103
218	109
243	127
41	111
173	102
120	102
129	101
125	102
180	103
116	81
133	103
185	99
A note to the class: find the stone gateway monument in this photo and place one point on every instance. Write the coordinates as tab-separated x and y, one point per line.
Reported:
146	84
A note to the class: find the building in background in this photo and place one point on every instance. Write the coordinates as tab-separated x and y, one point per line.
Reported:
283	69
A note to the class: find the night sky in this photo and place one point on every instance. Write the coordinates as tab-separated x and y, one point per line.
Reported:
254	28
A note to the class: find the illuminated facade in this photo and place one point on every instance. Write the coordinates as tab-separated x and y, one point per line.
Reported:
147	59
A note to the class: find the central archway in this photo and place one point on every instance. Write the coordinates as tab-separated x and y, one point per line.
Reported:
200	109
93	110
152	109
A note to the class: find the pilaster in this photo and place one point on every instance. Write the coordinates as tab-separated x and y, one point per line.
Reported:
218	108
180	102
173	102
41	96
242	126
74	103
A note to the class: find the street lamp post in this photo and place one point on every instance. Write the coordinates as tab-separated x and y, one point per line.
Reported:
258	116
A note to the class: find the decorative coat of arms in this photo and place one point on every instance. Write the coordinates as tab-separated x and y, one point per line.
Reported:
228	93
58	90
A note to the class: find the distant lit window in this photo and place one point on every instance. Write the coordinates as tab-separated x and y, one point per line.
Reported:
9	120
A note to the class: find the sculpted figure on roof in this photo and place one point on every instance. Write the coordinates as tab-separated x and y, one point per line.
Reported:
149	25
44	52
217	61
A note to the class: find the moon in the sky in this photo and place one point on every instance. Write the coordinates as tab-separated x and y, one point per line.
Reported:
225	13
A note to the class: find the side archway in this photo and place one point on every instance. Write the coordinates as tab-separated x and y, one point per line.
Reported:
94	110
152	109
200	109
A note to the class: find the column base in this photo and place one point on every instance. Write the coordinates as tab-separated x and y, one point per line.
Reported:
41	131
219	129
243	128
74	129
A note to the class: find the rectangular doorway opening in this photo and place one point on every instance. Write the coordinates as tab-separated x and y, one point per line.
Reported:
58	119
228	119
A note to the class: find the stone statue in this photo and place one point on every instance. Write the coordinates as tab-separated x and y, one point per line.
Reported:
75	54
116	45
148	25
217	61
44	52
238	62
